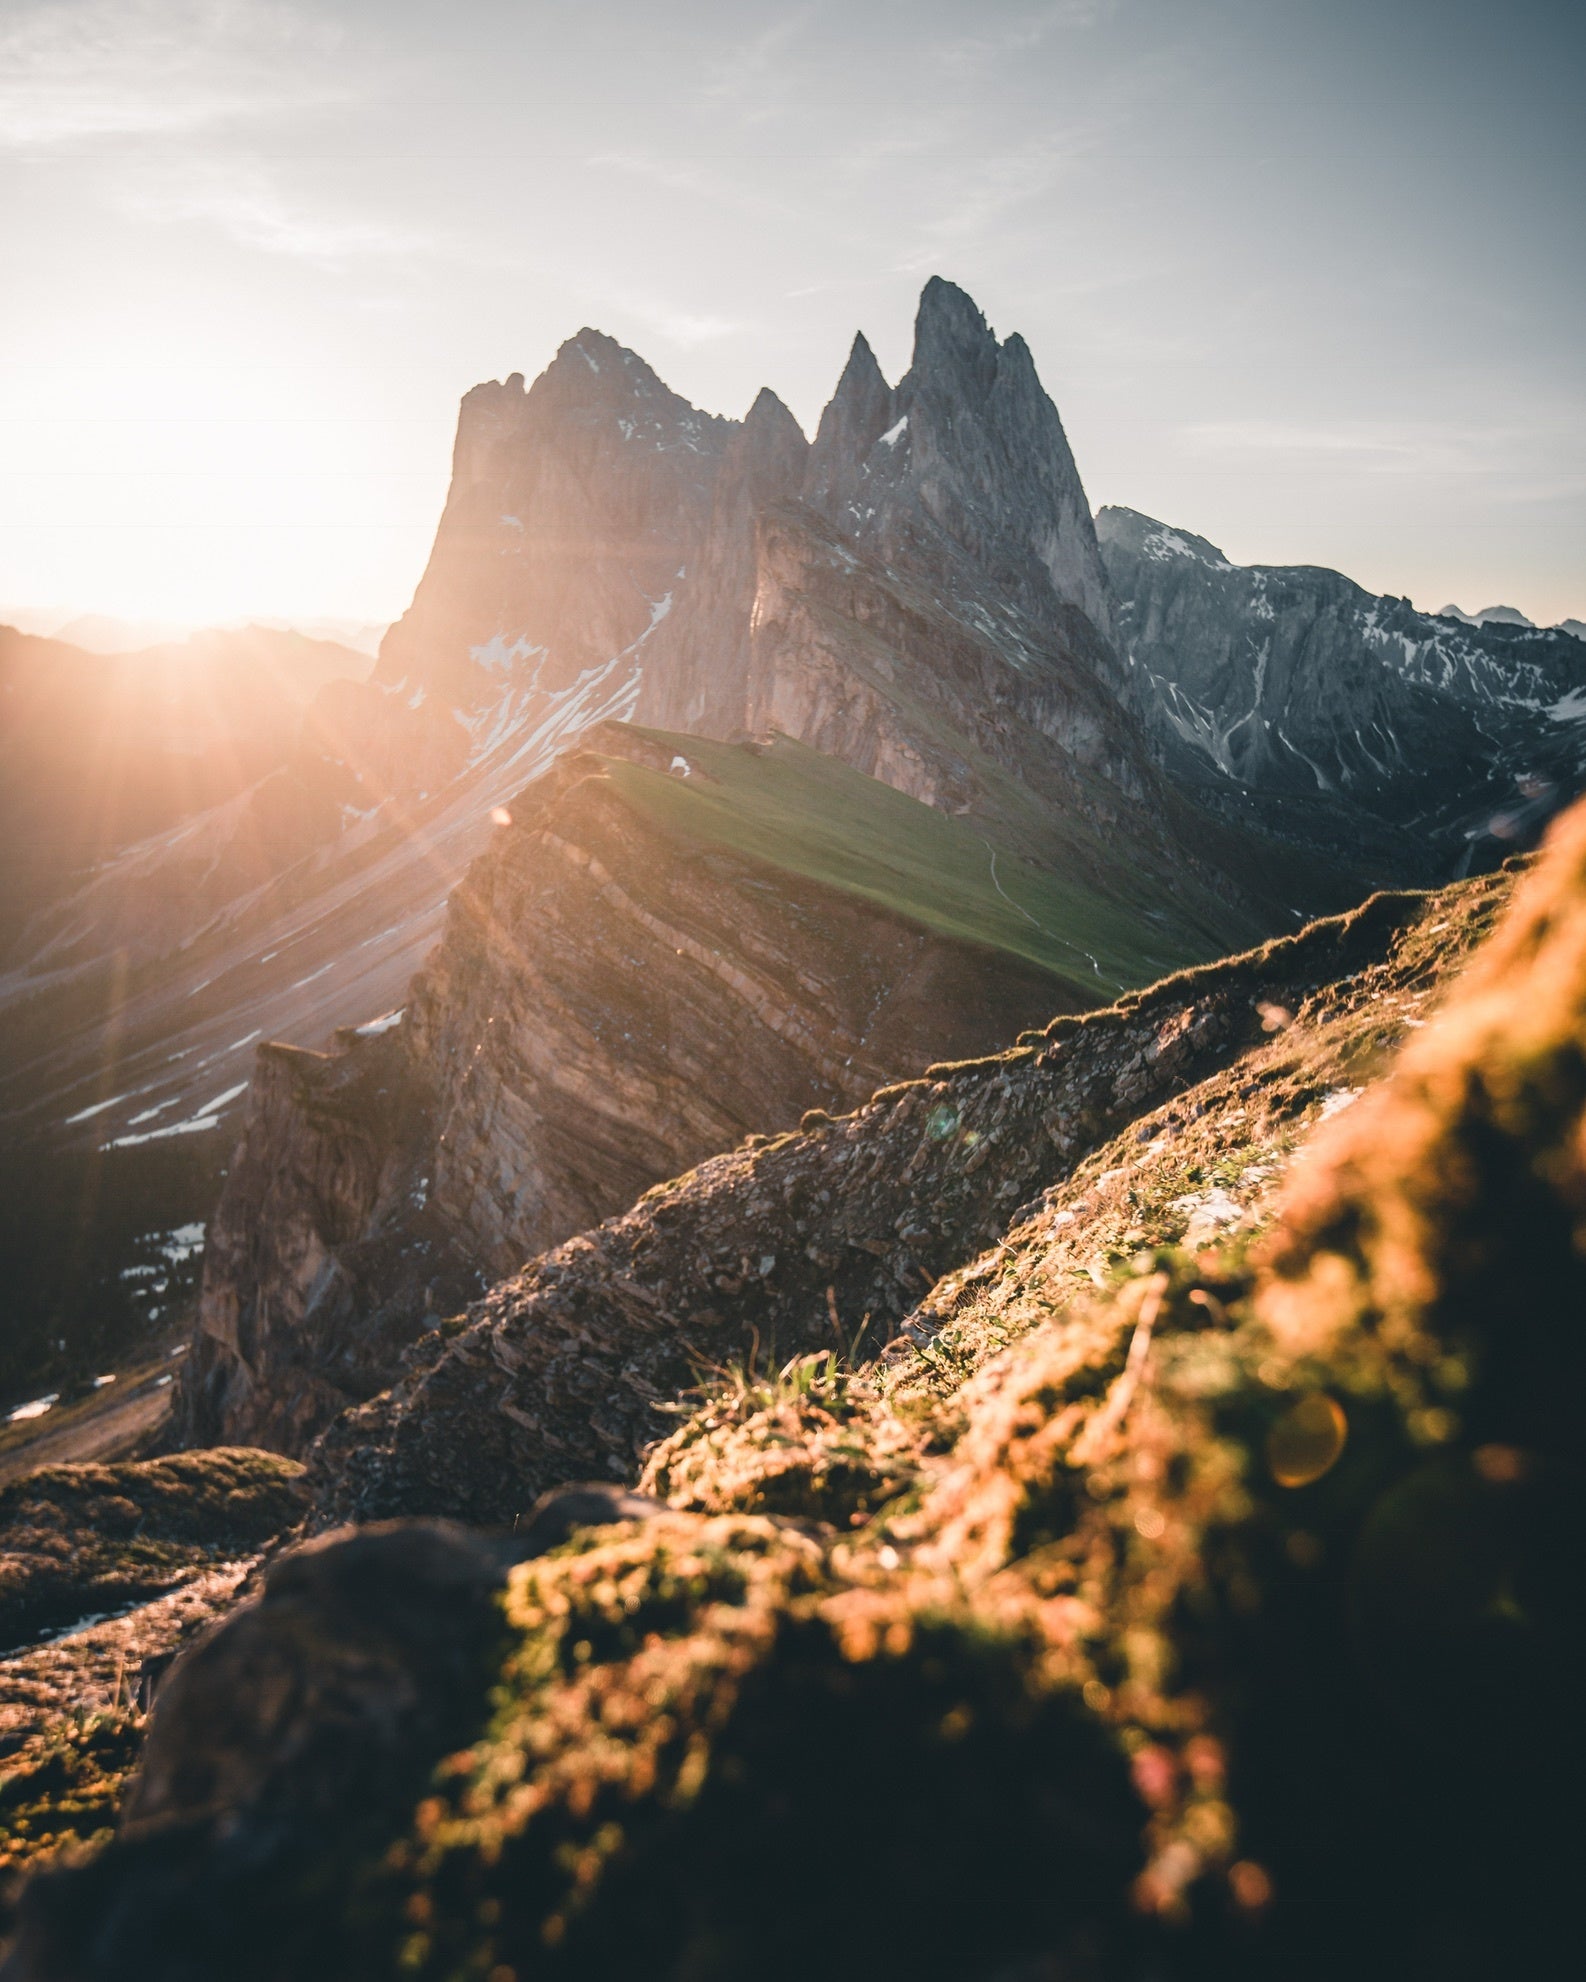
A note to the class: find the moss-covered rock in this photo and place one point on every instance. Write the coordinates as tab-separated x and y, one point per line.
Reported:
80	1539
67	1792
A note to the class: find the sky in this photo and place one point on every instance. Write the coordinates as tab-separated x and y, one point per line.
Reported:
1303	276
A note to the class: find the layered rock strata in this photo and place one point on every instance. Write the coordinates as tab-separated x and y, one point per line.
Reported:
832	1239
613	1001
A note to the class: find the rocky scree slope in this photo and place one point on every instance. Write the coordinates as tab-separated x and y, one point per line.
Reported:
1293	697
661	953
1187	1590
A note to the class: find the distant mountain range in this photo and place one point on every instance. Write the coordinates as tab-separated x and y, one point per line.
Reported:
105	633
1288	695
1115	753
1509	616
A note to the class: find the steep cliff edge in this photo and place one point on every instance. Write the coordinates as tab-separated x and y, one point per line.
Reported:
872	1228
674	943
920	593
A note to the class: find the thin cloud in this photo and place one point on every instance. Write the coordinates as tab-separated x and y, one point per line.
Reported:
245	203
685	328
1383	449
716	187
72	74
1509	464
983	194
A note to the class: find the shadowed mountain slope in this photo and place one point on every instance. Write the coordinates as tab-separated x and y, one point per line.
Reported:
1290	696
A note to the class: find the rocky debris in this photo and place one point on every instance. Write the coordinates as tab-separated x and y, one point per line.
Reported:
1292	696
75	1540
826	1239
73	1713
101	1665
1212	1613
615	999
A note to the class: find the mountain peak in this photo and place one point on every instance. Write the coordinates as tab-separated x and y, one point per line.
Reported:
768	416
857	415
949	327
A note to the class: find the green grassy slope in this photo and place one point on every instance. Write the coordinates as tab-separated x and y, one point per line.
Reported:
1101	928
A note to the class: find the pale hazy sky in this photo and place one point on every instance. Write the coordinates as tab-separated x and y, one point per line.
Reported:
1305	276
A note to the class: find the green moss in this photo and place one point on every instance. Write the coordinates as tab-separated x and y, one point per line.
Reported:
691	1711
65	1793
81	1538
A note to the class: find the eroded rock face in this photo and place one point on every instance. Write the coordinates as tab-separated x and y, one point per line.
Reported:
919	592
323	1260
825	1240
610	1005
576	506
1343	717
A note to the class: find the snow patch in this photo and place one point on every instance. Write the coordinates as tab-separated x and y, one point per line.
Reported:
34	1410
1570	708
894	434
498	655
207	1117
99	1107
182	1241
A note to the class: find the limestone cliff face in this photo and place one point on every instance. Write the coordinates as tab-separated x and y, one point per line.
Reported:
575	509
323	1260
610	1005
700	660
918	589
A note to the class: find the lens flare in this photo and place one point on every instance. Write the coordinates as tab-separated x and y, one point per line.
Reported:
1306	1441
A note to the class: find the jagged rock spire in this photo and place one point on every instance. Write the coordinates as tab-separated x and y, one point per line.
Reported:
859	412
965	458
